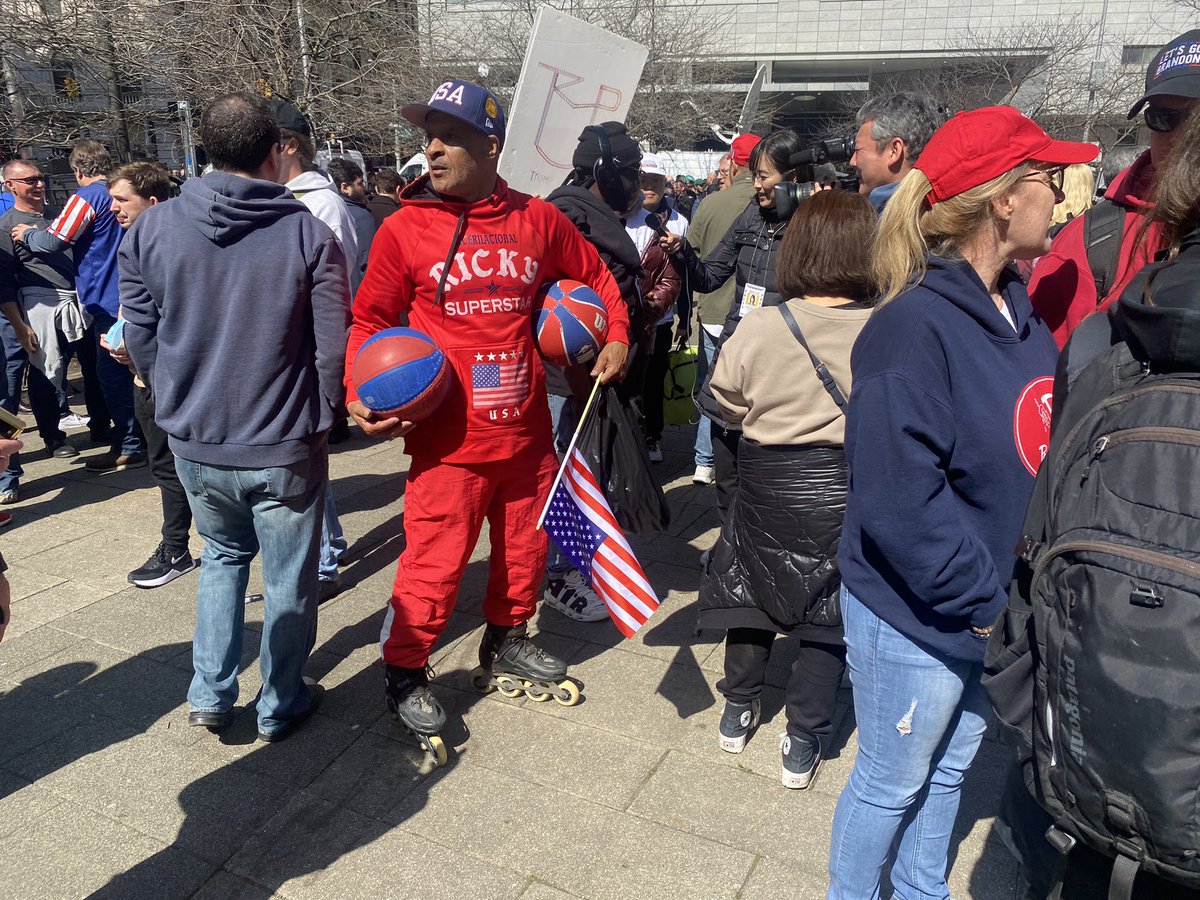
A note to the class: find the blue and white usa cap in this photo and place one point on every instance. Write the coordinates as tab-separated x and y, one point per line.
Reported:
472	103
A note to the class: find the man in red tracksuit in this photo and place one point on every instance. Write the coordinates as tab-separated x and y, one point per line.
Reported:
464	258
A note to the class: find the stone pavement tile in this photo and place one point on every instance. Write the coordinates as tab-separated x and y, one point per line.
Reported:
52	603
31	647
176	794
224	886
599	766
27	536
775	879
72	852
314	848
613	856
22	803
295	761
96	502
639	697
539	890
740	809
372	775
353	685
137	690
30	719
136	621
103	558
984	871
351	621
25	581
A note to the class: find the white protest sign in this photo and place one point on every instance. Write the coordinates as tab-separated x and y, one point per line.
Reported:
574	75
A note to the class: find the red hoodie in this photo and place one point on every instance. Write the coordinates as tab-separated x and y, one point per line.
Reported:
1063	288
510	245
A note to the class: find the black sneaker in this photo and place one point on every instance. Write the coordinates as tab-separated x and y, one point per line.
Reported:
800	761
162	567
737	721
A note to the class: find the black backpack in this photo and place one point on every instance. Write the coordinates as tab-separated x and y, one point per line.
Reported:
1114	595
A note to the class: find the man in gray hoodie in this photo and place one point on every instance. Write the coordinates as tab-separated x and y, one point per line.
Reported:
237	308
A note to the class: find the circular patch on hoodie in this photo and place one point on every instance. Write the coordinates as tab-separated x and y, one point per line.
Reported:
1031	422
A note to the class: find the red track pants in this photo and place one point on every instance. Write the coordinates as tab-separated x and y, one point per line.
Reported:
444	509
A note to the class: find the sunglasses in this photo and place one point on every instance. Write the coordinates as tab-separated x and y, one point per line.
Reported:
1054	179
31	180
1162	120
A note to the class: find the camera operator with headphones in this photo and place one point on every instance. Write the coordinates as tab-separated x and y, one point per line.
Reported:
601	190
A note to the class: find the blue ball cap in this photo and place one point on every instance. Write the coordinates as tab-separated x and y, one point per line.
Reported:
472	103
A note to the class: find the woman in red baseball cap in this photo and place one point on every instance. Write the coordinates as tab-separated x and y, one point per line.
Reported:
946	427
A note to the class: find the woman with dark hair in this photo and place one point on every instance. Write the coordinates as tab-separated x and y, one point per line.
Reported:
783	379
746	253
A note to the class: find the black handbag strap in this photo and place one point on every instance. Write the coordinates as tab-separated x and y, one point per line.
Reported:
822	371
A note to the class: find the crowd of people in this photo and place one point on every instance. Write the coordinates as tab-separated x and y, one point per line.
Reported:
873	422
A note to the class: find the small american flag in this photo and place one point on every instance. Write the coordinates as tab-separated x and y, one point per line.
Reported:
580	521
499	379
76	216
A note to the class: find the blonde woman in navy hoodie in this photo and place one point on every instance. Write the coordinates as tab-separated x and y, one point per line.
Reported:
945	430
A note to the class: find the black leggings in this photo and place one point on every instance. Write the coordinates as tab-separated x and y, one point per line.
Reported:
811	690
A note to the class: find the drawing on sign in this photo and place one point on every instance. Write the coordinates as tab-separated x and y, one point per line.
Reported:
560	80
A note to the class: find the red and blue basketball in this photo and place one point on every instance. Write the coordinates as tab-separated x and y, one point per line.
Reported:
401	372
572	323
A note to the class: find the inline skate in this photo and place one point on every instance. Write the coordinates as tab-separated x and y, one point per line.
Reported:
417	709
511	664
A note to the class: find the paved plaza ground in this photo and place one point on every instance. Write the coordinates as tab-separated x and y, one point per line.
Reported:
105	790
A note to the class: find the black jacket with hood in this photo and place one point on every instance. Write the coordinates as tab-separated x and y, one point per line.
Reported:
601	227
747	253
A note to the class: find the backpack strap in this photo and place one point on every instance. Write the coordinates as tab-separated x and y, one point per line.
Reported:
1103	234
823	373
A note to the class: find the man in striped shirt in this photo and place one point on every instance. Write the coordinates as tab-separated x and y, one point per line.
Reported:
88	227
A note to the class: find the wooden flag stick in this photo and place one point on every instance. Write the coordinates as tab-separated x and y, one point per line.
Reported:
570	447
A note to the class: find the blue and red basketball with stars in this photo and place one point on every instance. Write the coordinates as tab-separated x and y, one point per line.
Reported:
572	323
401	372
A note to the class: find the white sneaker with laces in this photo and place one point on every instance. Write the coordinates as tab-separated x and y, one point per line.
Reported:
73	421
572	597
704	475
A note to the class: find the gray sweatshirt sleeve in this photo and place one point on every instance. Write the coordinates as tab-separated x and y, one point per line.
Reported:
330	317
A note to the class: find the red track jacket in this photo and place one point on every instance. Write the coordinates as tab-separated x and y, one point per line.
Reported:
1063	289
510	245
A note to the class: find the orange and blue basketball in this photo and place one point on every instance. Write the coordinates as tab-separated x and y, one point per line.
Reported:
572	323
401	372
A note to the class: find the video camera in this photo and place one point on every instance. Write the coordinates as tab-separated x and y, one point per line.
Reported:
790	194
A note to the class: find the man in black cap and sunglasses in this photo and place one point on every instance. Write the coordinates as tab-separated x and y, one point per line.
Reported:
1096	254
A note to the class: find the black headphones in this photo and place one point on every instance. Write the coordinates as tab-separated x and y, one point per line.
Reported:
607	173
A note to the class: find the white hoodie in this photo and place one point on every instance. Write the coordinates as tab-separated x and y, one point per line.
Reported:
317	191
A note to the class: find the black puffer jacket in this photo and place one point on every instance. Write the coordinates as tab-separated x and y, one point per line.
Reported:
777	553
747	252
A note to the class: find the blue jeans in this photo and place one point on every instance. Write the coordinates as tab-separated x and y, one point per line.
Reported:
921	716
116	383
15	359
333	542
704	361
239	512
562	417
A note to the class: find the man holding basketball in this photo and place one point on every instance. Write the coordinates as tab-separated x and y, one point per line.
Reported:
462	236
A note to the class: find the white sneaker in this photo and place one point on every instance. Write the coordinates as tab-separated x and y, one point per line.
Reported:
704	475
572	597
72	421
655	452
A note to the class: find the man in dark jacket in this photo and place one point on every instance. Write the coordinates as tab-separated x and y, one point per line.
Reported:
385	188
349	180
247	375
599	191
